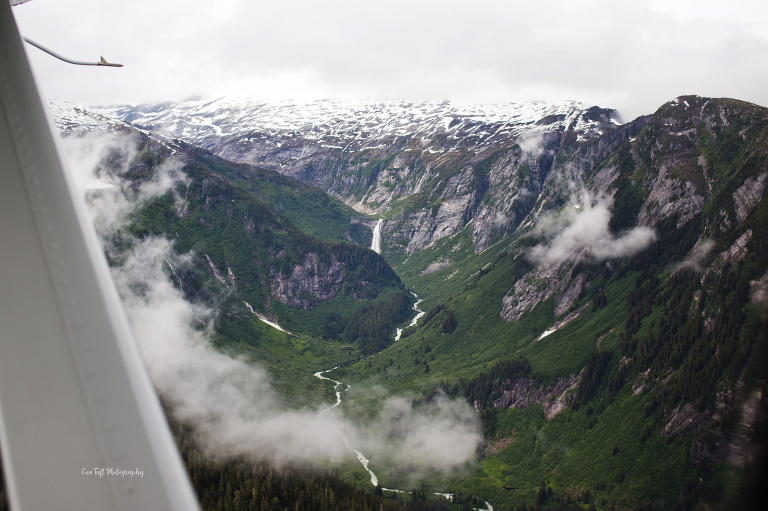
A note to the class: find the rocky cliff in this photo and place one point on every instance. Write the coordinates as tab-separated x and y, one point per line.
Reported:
226	223
427	168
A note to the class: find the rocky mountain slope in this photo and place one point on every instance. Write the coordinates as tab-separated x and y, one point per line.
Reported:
595	289
634	292
427	168
240	252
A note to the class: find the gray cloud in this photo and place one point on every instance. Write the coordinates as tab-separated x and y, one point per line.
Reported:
531	145
231	402
631	56
580	231
430	437
699	256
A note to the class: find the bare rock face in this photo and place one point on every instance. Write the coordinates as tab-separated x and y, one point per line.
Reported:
309	284
436	266
684	421
570	295
748	195
738	250
670	196
427	226
546	280
523	392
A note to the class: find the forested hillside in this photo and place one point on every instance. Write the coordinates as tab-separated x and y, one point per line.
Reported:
238	223
608	376
603	307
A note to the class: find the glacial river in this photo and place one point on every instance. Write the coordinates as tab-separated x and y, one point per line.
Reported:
340	387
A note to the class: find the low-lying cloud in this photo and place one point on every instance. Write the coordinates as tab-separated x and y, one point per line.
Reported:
532	145
229	401
433	435
581	231
697	259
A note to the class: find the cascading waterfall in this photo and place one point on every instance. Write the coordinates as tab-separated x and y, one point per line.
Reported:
376	242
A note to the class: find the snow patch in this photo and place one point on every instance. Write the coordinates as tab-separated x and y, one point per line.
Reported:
265	320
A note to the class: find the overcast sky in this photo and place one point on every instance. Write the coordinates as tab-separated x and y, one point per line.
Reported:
630	55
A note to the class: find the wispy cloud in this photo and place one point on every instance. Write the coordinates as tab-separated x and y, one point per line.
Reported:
531	146
230	401
431	437
699	256
581	231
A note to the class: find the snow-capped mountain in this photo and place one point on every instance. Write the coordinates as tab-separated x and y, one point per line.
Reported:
357	124
636	281
427	168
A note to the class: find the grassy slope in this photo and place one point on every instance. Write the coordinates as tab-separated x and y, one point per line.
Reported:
225	219
616	458
290	360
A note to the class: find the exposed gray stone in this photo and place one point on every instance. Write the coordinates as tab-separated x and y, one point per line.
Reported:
523	392
309	284
748	196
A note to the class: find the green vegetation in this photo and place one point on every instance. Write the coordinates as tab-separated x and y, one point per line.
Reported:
651	341
237	484
309	209
248	245
656	337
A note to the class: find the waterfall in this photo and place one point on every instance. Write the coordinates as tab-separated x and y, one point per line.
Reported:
376	242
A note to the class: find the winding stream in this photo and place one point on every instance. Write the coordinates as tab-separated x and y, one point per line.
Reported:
340	387
360	457
419	314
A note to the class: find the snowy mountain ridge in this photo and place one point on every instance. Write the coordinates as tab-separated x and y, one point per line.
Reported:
428	167
355	123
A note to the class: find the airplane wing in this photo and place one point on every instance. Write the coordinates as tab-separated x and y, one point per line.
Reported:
80	424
